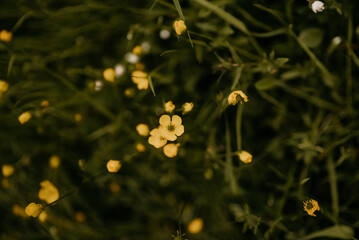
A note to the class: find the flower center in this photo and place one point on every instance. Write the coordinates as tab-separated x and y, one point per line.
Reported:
309	205
171	128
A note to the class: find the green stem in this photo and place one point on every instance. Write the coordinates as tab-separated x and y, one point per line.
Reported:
348	71
333	186
238	126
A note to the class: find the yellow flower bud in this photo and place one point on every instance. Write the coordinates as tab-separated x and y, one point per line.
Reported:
143	129
54	161
169	107
45	103
113	166
109	74
48	192
187	107
195	226
24	117
33	210
180	27
5	36
244	156
7	170
137	50
80	217
4	86
43	216
171	149
140	147
78	117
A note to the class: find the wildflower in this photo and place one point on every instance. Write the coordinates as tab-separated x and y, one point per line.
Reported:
3	87
232	98
44	103
156	138
180	27
54	161
113	166
244	156
171	129
310	206
78	117
141	79
140	147
187	107
143	129
24	117
18	211
43	216
5	36
195	226
169	107
317	6
48	192
33	210
109	74
171	149
7	170
137	50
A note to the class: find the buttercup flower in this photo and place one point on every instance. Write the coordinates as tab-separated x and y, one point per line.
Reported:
24	117
195	226
141	79
244	156
169	107
317	6
140	147
232	98
54	161
43	216
137	50
18	211
48	192
109	74
180	27
7	170
3	87
171	129
187	107
156	138
171	149
310	206
143	129
33	210
5	36
113	166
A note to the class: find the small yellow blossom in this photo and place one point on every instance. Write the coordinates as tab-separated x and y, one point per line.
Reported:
43	216
7	170
80	217
180	27
187	107
33	210
5	36
24	117
113	166
310	206
143	129
244	156
4	86
171	149
45	103
156	138
48	192
195	226
140	147
232	98
54	161
171	129
18	211
141	79
109	74
169	107
78	117
137	50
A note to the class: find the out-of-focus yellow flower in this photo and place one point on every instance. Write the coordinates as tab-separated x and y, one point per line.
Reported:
195	226
171	129
43	216
141	79
7	170
114	187
180	27
54	161
143	129
187	107
171	150
244	156
80	217
113	166
140	147
78	117
33	210
18	211
169	107
45	103
233	100
310	206
48	192
129	92
4	86
24	117
109	74
137	50
5	36
156	139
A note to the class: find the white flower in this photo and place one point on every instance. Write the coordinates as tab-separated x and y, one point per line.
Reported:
317	6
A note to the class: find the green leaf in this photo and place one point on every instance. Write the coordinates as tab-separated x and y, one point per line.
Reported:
304	181
265	84
312	37
337	231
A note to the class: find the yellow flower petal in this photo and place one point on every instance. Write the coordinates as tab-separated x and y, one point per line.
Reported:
113	166
165	120
33	209
170	150
138	76
180	27
244	156
179	130
109	74
176	120
7	170
24	117
169	107
143	129
48	192
187	107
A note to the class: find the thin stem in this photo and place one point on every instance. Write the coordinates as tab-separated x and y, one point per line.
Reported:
333	186
238	126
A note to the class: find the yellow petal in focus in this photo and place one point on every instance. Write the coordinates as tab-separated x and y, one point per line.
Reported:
244	156
180	27
187	107
310	206
171	150
169	107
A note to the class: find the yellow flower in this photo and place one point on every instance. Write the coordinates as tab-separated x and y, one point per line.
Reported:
232	98
24	117
187	107
78	117
143	129
5	36
244	156
310	206
171	129
140	147
18	211
156	138
169	107
45	103
141	79
195	226
33	210
43	216
48	192
180	27
4	86
109	74
171	149
7	170
137	50
54	161
113	166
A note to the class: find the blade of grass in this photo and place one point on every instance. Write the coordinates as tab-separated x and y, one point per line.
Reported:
11	63
229	166
333	186
151	85
275	13
180	13
348	70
